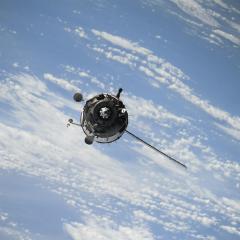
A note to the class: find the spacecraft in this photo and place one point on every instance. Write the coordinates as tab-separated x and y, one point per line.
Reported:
104	119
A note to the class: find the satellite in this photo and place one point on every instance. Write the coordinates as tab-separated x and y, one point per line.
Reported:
104	119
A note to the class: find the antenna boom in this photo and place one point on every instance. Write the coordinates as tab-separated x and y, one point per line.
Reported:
149	145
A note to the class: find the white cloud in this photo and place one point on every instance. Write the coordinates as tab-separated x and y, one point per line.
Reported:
147	71
61	82
213	38
228	36
121	42
234	25
215	112
194	9
203	18
84	74
234	204
3	216
11	229
105	231
226	6
230	131
15	64
140	107
202	237
222	4
139	214
124	59
80	32
231	229
98	83
13	233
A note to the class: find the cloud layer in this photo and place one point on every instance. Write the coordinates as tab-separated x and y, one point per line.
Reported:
98	185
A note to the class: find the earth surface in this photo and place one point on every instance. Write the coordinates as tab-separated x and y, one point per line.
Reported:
178	63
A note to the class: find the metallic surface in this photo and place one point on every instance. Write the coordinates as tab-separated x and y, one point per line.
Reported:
104	117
